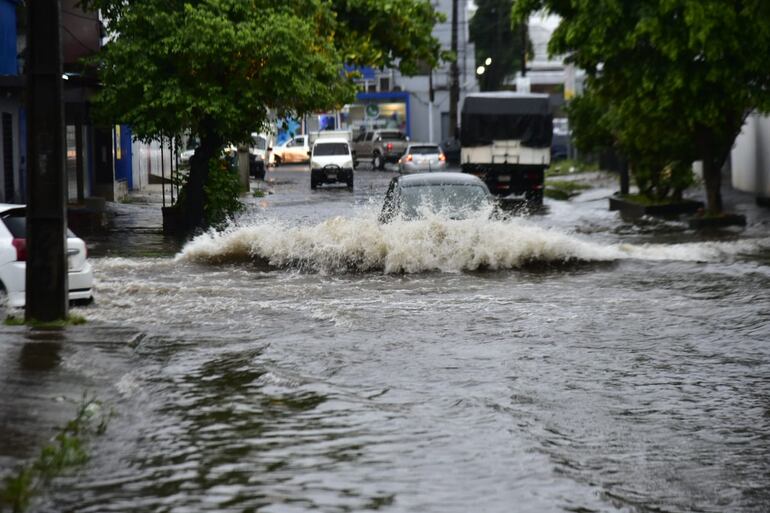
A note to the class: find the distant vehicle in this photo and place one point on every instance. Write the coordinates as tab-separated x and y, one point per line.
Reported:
331	161
295	150
381	145
259	154
454	195
422	157
451	148
560	145
13	259
506	141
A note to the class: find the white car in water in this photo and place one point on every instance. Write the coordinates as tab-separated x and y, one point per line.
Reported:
13	259
331	161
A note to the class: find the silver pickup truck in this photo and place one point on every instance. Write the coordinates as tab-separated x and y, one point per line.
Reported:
381	146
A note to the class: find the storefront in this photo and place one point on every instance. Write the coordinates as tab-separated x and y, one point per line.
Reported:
377	110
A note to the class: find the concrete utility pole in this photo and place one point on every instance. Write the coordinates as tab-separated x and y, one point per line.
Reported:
454	78
46	279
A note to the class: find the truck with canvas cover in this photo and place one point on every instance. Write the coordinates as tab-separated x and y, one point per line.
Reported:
506	141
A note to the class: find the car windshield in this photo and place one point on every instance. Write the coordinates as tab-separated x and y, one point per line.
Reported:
328	149
392	136
424	150
457	201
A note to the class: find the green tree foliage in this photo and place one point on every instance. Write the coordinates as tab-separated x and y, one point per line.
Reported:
669	81
218	68
495	37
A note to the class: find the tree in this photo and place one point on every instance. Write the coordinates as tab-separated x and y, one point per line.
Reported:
217	68
495	37
676	78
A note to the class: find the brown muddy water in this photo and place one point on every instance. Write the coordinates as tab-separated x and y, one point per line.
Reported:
311	359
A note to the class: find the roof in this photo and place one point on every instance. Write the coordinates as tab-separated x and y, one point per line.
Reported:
441	178
4	207
506	102
329	140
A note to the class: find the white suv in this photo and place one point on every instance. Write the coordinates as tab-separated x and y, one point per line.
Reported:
13	259
331	161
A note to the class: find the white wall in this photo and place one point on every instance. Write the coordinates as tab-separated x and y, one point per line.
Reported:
418	86
750	158
146	161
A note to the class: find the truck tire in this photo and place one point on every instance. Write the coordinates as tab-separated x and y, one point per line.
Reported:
535	198
350	183
313	182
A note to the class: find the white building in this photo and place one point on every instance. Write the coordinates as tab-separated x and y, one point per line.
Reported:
750	158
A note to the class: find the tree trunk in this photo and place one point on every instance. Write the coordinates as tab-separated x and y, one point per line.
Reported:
712	176
210	146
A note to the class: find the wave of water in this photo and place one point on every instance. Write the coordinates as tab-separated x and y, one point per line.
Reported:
362	244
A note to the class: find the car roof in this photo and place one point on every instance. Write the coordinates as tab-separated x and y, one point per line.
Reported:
325	140
4	207
423	144
440	178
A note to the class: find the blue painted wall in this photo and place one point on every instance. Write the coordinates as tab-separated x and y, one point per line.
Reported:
8	62
123	157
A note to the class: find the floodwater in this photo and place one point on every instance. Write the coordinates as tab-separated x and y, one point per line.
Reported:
311	359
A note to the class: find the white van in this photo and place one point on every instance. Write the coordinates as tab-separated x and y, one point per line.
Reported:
331	161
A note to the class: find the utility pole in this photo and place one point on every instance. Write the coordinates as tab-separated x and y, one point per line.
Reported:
454	77
46	278
431	98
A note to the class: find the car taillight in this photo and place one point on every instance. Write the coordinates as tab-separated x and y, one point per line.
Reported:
442	157
21	249
390	146
409	158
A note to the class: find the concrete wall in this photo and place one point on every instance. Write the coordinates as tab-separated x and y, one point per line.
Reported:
418	86
750	158
146	163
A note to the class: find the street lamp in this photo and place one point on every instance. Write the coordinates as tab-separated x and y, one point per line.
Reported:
488	61
480	70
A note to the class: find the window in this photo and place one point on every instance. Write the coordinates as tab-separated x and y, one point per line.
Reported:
369	136
329	149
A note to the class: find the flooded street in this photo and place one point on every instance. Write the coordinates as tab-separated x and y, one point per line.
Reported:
312	359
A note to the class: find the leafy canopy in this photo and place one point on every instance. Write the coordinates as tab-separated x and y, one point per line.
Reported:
222	65
494	37
668	81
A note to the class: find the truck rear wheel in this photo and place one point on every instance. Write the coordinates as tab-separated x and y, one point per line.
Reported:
377	162
535	198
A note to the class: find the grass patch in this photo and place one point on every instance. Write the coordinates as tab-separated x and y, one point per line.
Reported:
563	189
259	193
570	166
71	320
66	451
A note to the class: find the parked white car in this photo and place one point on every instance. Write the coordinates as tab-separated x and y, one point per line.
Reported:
13	256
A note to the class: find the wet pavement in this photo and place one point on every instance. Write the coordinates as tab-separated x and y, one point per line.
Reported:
310	359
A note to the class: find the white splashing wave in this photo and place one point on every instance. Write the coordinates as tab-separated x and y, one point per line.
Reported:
434	244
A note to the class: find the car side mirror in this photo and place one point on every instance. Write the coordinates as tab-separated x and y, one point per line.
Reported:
308	153
269	148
